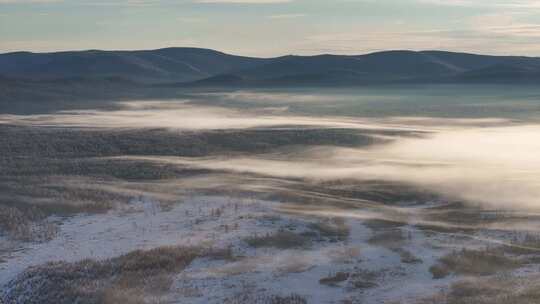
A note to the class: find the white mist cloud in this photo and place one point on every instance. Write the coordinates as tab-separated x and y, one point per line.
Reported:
521	4
179	115
286	16
496	167
244	1
492	162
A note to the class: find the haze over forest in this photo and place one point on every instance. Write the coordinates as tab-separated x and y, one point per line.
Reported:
269	152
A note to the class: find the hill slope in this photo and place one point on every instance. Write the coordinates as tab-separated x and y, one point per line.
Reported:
389	67
202	67
171	64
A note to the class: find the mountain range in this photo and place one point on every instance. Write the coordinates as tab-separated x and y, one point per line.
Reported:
194	67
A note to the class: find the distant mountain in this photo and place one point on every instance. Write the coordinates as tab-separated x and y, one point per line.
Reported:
381	68
193	67
503	72
163	65
20	96
387	67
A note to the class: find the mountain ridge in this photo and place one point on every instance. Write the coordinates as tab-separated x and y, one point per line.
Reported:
184	67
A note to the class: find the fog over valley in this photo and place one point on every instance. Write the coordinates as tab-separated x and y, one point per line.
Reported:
269	152
342	192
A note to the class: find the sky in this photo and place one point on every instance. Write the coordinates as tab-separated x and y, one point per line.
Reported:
267	28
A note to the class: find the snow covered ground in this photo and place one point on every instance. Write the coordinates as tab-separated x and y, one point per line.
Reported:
143	224
221	222
360	269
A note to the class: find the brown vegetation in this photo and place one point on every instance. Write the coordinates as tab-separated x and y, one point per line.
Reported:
492	290
333	280
123	279
334	229
281	239
473	262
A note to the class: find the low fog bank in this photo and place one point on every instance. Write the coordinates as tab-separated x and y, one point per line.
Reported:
353	204
183	115
496	167
509	102
489	161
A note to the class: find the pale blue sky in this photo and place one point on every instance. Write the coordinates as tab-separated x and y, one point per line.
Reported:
273	27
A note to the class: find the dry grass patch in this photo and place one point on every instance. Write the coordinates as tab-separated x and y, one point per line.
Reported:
407	257
26	223
335	279
281	239
295	264
344	255
123	279
335	229
391	239
493	290
363	279
248	298
524	244
241	266
473	262
377	224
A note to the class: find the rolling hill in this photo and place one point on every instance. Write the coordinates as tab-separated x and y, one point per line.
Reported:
170	64
187	67
386	67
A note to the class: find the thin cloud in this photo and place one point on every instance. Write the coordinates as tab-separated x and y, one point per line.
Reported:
286	16
494	4
244	1
28	1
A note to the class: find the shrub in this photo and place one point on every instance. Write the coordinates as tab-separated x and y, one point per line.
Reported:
334	229
122	279
281	239
333	280
473	262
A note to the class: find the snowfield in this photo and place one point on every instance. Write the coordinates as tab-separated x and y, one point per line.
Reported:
359	268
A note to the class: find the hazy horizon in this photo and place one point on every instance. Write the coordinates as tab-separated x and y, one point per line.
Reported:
269	28
267	57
